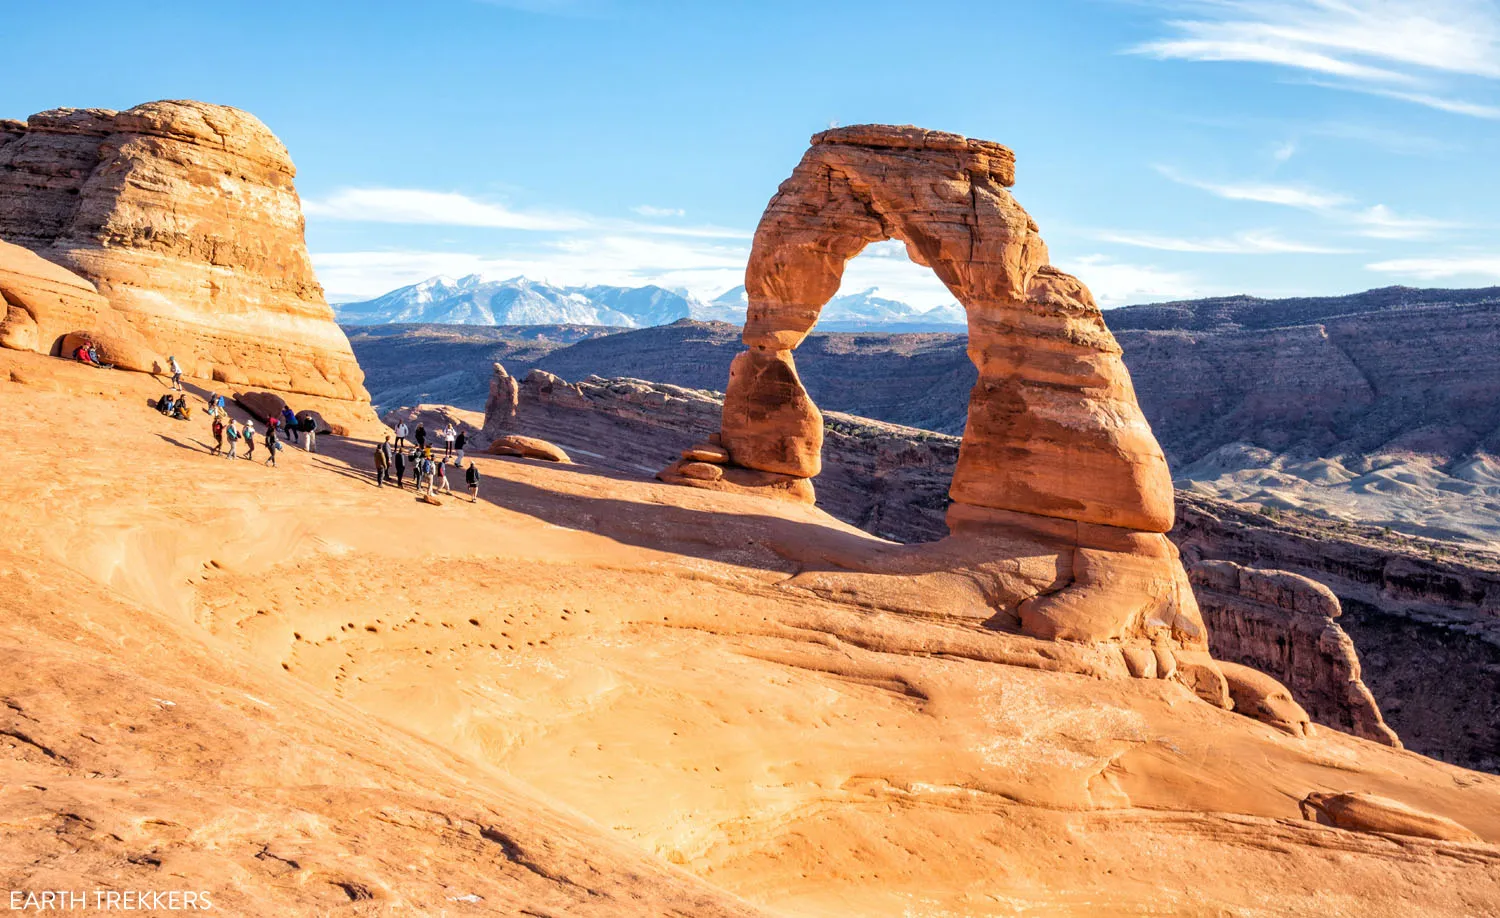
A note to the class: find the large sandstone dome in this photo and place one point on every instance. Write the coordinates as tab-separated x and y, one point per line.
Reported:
185	219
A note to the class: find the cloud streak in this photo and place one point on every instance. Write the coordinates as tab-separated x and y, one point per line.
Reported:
1375	222
421	207
1394	48
1253	242
1438	268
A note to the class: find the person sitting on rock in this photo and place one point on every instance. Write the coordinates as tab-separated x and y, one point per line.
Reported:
94	358
164	405
471	476
81	354
180	410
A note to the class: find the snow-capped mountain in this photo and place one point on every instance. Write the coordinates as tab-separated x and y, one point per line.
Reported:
862	311
473	300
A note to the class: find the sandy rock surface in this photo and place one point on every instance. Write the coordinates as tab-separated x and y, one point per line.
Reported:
592	693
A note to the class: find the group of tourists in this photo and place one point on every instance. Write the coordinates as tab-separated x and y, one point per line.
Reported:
429	471
453	440
428	463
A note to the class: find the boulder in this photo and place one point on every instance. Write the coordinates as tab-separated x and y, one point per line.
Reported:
527	447
261	405
1259	696
184	219
703	471
1362	812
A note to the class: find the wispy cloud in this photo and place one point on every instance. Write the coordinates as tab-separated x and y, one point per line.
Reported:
420	207
646	210
1395	48
1253	242
1263	192
1440	267
1375	222
1284	151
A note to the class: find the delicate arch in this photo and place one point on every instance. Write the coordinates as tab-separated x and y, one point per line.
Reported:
1053	428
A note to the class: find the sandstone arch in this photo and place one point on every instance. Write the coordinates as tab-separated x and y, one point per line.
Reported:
1061	496
1054	428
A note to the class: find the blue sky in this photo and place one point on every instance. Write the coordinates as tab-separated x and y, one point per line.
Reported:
1167	149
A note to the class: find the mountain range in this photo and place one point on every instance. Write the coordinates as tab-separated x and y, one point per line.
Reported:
473	300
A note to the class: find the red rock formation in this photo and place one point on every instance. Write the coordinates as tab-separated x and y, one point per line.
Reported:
1283	624
44	304
1057	460
500	408
185	217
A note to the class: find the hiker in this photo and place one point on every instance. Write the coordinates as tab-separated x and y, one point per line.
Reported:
471	476
233	433
273	446
401	435
428	472
421	436
309	427
249	439
382	465
270	434
449	436
458	459
289	424
442	476
462	439
218	429
176	369
398	459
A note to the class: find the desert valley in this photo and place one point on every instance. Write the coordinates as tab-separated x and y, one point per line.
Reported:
951	644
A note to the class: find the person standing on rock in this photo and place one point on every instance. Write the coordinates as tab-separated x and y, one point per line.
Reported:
233	433
249	439
382	463
421	436
471	477
309	427
400	460
218	429
401	434
449	436
175	369
442	476
273	446
289	424
462	439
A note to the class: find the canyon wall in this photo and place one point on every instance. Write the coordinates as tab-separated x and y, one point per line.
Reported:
184	217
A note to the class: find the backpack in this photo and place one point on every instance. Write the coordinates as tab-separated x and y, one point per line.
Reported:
276	446
234	432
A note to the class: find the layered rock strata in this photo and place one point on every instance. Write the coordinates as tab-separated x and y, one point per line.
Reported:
185	218
1284	624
